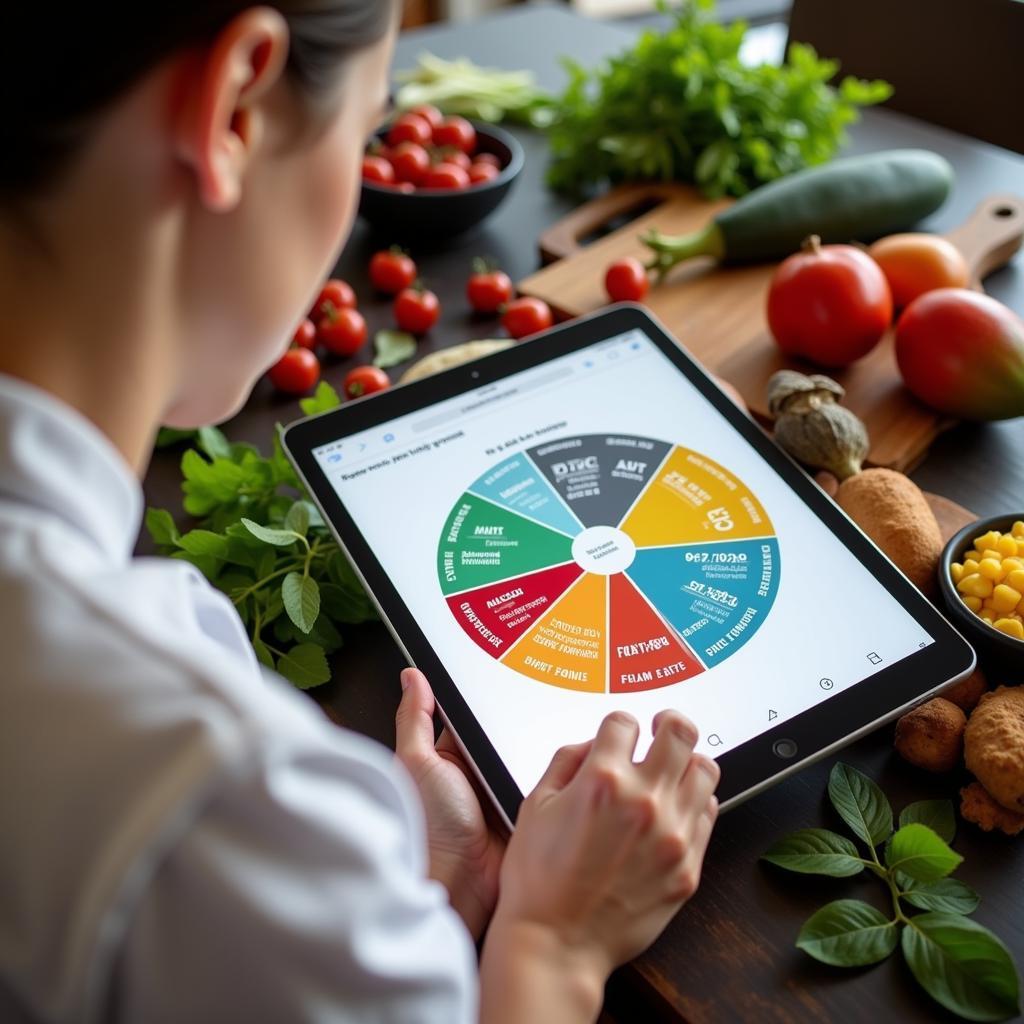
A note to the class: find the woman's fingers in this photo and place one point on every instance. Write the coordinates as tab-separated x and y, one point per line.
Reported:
563	767
616	738
699	783
674	740
414	721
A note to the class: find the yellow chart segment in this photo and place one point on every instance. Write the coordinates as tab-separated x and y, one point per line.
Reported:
694	499
568	647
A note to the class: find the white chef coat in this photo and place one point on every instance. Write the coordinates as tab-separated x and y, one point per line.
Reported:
182	837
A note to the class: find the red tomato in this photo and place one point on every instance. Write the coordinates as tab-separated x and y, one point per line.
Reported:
405	187
392	270
305	334
429	114
410	128
296	372
416	310
830	304
410	162
448	155
626	280
364	380
342	331
488	158
488	290
962	353
335	294
458	132
526	316
376	168
445	176
917	263
479	173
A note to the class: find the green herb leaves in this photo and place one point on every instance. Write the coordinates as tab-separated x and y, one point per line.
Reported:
681	105
261	541
393	347
960	963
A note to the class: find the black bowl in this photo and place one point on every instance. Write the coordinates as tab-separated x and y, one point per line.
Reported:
998	654
443	212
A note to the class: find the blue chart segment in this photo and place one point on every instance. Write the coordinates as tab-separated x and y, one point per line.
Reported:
516	484
715	595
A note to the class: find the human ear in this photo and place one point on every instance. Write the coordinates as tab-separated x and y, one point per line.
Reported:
219	118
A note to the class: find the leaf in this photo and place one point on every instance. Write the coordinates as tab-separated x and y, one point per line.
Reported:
919	853
860	803
848	933
166	436
962	965
161	526
323	399
298	518
936	814
301	599
279	538
947	895
204	542
263	655
214	443
393	347
816	851
305	666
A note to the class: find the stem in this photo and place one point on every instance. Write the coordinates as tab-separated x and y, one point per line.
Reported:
259	583
895	892
672	249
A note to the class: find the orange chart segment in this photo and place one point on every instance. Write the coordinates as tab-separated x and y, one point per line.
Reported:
694	499
568	646
644	652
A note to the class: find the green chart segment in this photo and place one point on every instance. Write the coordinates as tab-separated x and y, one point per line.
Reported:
484	543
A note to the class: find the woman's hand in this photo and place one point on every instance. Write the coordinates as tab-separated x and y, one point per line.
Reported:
465	849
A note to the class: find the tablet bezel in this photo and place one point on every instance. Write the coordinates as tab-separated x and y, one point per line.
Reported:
746	769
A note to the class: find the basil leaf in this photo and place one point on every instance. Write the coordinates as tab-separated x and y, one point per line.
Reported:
298	518
816	851
204	542
301	599
947	895
936	814
161	526
264	656
279	538
860	803
214	443
962	965
304	665
393	347
918	852
848	933
323	399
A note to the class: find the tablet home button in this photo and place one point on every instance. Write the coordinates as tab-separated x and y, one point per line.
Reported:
784	748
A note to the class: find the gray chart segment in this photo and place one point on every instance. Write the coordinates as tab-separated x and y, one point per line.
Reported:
600	476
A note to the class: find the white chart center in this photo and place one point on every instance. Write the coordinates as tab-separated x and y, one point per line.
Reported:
604	550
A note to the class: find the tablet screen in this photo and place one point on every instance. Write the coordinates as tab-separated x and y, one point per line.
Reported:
591	534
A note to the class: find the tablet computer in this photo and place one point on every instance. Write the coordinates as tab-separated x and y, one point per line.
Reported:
586	522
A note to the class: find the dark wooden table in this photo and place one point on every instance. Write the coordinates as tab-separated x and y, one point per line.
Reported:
730	954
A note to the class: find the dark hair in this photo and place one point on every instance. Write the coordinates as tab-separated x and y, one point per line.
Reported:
65	66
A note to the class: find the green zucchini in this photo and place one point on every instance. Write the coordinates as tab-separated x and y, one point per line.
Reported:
859	198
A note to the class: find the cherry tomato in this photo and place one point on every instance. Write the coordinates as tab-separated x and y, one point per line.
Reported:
365	380
626	280
830	304
429	113
296	372
405	187
445	176
488	158
448	155
410	161
416	310
376	168
410	128
335	294
342	331
917	263
526	316
458	132
488	289
479	173
392	270
305	334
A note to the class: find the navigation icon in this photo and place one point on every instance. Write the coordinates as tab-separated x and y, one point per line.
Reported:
772	715
826	684
875	658
714	740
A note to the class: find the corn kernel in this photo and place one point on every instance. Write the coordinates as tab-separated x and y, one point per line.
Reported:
1012	565
1020	547
991	568
1011	627
1015	579
1004	598
956	572
1018	528
970	566
1006	545
991	553
975	584
987	614
972	602
976	555
986	540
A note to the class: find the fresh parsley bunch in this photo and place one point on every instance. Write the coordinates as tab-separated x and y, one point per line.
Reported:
957	961
681	106
259	539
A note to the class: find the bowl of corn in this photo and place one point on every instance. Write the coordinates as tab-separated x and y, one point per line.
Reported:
981	579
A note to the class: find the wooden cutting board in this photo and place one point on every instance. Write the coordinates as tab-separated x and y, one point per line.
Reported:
717	313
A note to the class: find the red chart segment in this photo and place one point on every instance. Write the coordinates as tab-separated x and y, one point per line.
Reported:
645	653
495	616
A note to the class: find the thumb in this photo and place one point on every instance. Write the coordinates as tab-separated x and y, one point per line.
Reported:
414	721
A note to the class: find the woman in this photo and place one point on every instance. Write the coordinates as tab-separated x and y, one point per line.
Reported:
184	839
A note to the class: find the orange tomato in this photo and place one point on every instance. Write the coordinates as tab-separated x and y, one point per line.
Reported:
917	263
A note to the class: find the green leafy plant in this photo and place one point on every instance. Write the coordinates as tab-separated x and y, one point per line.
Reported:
957	961
258	538
680	105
